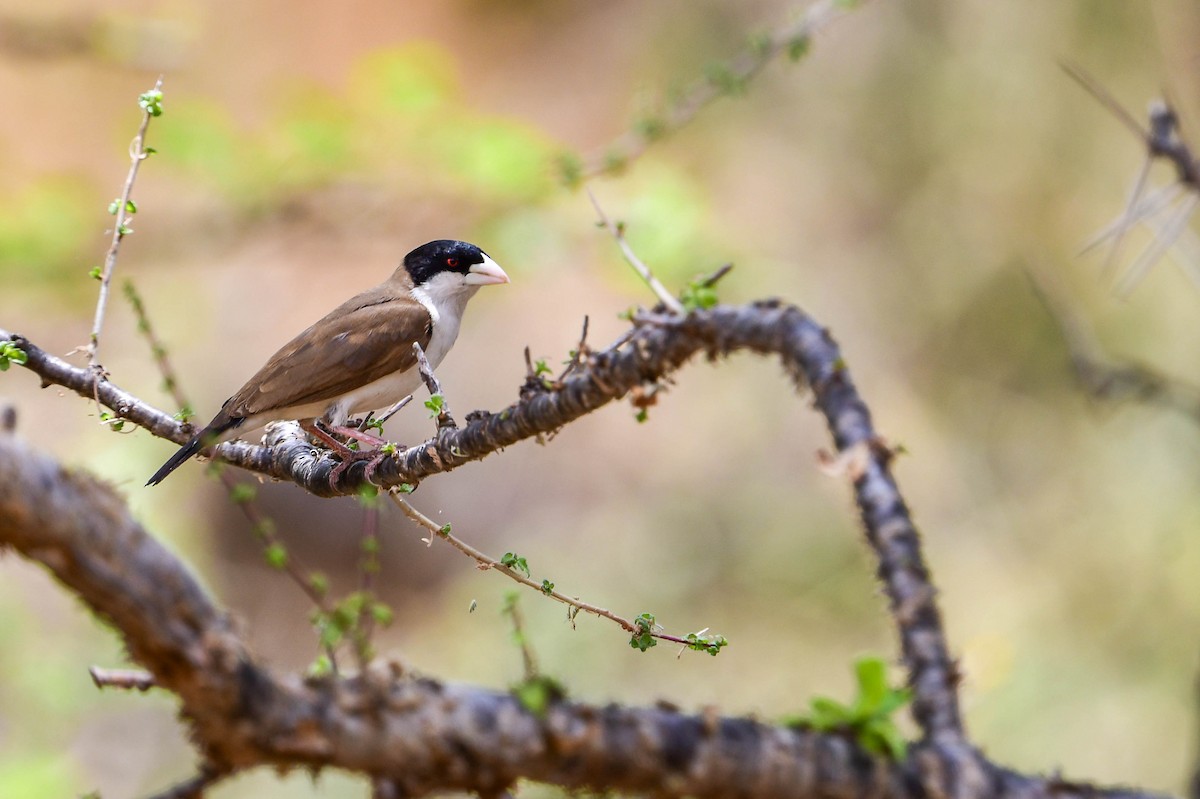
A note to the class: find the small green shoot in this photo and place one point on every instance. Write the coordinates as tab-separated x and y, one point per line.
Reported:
112	421
10	353
436	405
115	205
368	496
515	562
537	693
547	587
276	556
798	48
869	719
644	638
151	102
698	296
712	644
242	493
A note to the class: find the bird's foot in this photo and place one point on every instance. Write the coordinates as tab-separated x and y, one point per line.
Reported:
382	449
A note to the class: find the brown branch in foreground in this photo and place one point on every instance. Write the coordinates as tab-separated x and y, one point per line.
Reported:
421	734
659	346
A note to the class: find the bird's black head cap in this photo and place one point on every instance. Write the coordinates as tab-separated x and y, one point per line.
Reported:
443	255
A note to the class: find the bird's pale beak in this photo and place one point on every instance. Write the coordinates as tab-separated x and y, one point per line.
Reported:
487	273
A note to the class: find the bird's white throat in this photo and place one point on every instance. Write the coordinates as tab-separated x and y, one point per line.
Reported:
445	297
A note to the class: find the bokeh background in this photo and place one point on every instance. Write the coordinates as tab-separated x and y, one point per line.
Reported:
900	183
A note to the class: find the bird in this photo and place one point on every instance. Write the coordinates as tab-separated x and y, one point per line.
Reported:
359	357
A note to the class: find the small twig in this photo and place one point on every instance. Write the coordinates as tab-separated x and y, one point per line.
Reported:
528	659
1102	378
161	358
486	562
126	679
793	38
261	525
618	232
137	154
716	276
444	419
368	567
393	410
579	355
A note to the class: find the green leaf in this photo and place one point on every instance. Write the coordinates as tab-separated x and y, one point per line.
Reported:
242	493
541	368
872	684
10	353
276	555
382	613
870	717
436	403
444	530
319	583
547	587
722	78
406	488
515	562
570	169
798	48
96	273
698	296
644	638
712	644
321	667
536	694
151	102
368	495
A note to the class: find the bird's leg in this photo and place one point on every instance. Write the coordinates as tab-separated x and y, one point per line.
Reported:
316	432
349	456
357	435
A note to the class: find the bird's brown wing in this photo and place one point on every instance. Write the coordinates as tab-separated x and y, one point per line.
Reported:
364	339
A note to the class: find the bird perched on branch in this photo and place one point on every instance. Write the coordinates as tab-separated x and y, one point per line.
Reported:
360	356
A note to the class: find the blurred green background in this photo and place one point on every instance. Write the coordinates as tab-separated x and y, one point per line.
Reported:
898	184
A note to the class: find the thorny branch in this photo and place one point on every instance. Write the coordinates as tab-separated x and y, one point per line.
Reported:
419	734
660	345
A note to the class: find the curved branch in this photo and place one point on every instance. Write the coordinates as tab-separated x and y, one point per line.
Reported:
659	346
422	735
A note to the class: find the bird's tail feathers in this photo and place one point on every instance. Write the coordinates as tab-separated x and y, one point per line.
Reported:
204	438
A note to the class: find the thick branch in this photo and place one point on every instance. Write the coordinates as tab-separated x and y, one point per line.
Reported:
420	734
660	345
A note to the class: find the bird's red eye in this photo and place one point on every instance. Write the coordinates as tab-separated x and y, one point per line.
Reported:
452	262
